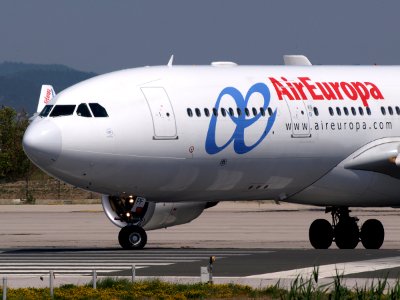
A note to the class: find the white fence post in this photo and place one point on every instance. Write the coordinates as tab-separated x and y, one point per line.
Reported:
52	284
4	288
133	273
94	279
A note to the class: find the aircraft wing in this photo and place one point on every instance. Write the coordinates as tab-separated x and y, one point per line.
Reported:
382	158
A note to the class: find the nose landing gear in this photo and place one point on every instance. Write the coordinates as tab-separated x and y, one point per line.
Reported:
131	211
132	237
345	231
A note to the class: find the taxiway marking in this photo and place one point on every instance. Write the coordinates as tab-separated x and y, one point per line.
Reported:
64	262
332	270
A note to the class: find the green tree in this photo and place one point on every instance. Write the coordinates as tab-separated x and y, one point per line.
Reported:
14	164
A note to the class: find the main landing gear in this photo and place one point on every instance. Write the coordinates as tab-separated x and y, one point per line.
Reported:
345	231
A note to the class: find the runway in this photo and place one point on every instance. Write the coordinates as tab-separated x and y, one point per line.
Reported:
251	266
254	244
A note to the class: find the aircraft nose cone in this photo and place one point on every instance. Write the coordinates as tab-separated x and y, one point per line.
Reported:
42	142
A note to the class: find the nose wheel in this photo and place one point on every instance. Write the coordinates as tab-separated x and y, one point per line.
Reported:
132	237
345	231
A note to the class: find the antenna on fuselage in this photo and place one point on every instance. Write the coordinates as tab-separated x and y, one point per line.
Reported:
296	60
171	60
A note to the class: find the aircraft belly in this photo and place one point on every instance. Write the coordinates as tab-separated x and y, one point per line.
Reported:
167	179
342	187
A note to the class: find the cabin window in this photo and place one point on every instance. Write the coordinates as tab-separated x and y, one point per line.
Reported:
206	112
223	112
262	111
270	111
353	111
45	111
239	111
215	112
361	111
346	111
383	110
338	111
397	110
254	111
368	111
231	112
390	110
189	112
331	111
316	113
98	110
198	113
246	111
62	110
83	111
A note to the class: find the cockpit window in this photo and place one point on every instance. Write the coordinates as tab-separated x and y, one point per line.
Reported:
83	111
45	111
98	110
62	110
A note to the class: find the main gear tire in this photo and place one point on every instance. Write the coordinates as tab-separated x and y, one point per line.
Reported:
320	234
347	234
372	234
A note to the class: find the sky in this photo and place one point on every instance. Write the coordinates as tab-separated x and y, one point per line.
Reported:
104	35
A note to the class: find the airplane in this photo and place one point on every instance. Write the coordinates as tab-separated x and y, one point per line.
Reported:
164	143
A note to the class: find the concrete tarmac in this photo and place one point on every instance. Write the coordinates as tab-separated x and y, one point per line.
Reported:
227	225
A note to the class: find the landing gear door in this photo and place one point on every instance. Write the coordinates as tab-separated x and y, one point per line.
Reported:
162	113
300	122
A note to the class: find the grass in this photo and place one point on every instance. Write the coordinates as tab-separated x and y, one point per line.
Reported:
300	288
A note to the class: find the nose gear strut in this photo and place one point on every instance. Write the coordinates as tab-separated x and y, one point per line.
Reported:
132	211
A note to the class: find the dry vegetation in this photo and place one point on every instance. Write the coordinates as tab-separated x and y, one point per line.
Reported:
110	288
41	186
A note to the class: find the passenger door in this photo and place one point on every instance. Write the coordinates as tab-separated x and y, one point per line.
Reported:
162	113
299	118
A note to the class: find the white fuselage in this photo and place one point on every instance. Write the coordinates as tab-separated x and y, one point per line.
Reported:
151	145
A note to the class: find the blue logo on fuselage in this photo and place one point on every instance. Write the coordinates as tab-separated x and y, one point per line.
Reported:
241	122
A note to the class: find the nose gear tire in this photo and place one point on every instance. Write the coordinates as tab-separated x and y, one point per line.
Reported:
132	237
